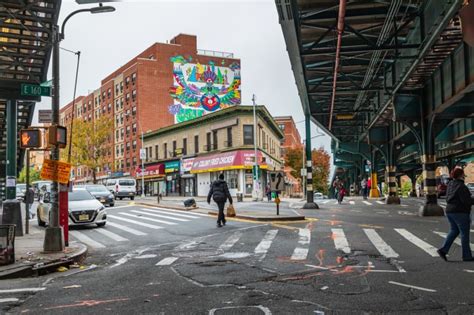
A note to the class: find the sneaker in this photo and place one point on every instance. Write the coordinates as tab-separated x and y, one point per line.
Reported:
223	223
219	225
442	254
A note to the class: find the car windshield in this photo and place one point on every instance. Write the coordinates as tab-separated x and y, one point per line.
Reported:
98	188
126	182
78	195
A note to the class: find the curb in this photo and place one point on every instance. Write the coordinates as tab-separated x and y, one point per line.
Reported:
166	206
30	270
266	219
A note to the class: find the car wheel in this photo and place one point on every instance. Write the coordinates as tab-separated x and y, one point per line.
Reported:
40	222
101	224
112	204
132	198
120	198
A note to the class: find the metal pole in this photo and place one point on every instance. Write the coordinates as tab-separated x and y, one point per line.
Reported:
310	204
303	179
10	191
27	204
255	176
73	107
143	172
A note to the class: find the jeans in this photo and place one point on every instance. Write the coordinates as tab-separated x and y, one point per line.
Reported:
460	224
221	216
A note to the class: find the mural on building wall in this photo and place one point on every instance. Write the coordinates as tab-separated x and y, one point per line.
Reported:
199	89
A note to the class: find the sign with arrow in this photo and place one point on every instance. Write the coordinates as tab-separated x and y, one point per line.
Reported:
277	181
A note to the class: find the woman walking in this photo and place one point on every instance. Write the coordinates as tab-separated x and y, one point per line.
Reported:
219	193
458	211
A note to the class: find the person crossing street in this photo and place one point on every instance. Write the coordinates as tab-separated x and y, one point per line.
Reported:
220	193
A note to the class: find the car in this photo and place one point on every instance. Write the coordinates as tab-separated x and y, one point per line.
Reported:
20	191
318	196
122	187
101	193
84	209
471	188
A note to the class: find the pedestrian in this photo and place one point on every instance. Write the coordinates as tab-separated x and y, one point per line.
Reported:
458	212
341	194
335	185
268	192
363	184
220	193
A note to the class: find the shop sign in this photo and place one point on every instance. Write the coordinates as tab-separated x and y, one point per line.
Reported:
187	165
151	170
171	167
226	161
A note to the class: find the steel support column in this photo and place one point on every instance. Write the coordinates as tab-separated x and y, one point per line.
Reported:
431	208
310	204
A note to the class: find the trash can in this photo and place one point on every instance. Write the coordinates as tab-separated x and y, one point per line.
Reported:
7	244
240	197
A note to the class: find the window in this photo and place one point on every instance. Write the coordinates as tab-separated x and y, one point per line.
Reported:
134	78
174	147
121	149
109	108
157	152
134	94
208	141
165	150
117	104
281	126
116	88
127	97
185	146
121	87
109	92
214	139
134	161
248	134
229	137
134	110
196	144
134	144
121	118
128	131
134	128
127	81
121	133
117	119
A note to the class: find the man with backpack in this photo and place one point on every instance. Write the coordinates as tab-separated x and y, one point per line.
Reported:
220	193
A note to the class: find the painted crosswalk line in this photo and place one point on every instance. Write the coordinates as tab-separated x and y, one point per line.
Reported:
155	227
366	202
172	213
456	241
111	235
126	228
160	216
7	300
340	240
418	242
234	238
383	248
166	261
22	290
325	201
86	239
380	202
352	202
301	252
264	245
148	219
188	212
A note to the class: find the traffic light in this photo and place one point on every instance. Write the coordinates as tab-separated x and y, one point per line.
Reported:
57	135
30	138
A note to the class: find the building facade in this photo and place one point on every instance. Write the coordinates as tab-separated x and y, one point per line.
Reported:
166	84
184	159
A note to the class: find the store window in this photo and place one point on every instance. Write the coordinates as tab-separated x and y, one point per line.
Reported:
231	177
248	134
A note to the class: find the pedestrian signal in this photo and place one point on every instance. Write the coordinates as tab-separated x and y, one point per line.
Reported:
57	136
30	138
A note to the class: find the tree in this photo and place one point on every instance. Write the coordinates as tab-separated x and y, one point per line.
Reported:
34	175
321	166
293	159
90	143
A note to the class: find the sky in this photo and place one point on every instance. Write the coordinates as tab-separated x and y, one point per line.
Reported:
249	29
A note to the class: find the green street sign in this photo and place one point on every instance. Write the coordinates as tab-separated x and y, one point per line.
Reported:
35	90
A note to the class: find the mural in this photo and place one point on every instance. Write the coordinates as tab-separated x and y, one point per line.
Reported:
200	89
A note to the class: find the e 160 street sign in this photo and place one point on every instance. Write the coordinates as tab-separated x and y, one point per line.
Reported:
35	90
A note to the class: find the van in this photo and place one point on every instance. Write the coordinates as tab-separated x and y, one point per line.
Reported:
122	187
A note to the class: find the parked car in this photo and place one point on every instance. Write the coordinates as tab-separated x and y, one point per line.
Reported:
122	188
101	193
318	196
41	187
83	209
471	188
20	191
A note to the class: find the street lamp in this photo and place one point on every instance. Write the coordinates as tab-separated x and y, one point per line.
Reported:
53	239
256	187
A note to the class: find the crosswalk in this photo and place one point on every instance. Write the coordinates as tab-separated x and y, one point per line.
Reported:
372	202
122	226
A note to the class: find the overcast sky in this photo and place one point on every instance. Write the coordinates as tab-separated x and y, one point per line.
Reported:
249	29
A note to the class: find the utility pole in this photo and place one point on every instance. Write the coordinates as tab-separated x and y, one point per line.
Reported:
256	188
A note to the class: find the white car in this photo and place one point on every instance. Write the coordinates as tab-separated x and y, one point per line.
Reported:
83	208
318	196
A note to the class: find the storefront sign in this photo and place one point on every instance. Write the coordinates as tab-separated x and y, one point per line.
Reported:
171	167
187	165
226	161
151	170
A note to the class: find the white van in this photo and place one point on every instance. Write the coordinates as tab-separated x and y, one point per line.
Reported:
122	187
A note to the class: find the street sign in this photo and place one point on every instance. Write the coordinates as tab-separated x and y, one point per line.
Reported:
45	116
255	172
35	90
142	154
56	171
277	180
304	172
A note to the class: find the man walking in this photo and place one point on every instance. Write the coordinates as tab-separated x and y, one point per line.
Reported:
219	193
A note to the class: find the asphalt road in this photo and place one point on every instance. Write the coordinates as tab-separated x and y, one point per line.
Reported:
351	258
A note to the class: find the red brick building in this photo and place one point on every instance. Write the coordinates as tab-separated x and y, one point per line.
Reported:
163	85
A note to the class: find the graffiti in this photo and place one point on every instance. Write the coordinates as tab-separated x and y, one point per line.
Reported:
199	89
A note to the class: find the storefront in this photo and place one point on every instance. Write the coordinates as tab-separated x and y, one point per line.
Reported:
173	178
154	177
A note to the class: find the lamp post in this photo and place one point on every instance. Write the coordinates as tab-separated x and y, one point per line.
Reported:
143	167
256	188
53	239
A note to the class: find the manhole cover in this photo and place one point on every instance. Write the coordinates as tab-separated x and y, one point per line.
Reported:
197	253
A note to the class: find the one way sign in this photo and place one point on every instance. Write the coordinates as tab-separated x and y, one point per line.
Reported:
277	181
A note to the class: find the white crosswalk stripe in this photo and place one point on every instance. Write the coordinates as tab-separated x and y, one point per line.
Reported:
126	228
301	252
234	238
155	227
340	240
187	213
380	244
111	235
418	242
148	219
166	261
366	202
264	245
86	239
161	216
380	202
188	216
325	201
456	241
352	202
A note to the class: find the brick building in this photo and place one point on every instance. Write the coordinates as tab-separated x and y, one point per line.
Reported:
163	85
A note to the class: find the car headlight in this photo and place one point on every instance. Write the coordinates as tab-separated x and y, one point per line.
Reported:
111	196
100	209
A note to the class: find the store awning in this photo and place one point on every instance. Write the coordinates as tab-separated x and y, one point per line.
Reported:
154	170
227	161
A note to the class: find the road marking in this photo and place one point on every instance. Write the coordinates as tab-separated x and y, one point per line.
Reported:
380	202
352	202
6	300
325	201
23	290
301	252
404	205
148	219
166	261
155	227
418	242
366	202
336	203
456	241
340	240
469	271
188	216
188	212
411	286
230	241
380	244
86	239
125	228
111	235
120	207
160	216
264	245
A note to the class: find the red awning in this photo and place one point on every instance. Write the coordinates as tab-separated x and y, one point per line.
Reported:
154	170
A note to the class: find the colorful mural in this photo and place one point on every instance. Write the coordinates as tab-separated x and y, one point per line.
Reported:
200	89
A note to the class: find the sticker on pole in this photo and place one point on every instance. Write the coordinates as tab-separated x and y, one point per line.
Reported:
56	171
277	181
